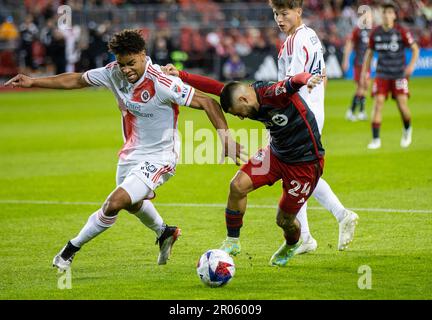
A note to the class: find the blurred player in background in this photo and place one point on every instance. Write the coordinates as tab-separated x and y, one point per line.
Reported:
303	52
390	40
148	101
295	153
359	41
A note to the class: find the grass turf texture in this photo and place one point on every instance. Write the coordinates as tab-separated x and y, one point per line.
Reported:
61	146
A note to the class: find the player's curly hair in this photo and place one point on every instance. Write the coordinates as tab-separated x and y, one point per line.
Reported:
286	4
127	42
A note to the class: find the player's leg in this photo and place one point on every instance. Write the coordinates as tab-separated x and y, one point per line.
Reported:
308	244
151	175
298	184
402	102
253	175
97	223
361	93
291	227
347	219
377	120
240	186
400	93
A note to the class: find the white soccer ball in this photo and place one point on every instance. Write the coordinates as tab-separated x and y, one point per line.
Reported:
215	268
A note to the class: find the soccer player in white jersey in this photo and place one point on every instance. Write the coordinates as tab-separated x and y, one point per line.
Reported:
148	101
303	52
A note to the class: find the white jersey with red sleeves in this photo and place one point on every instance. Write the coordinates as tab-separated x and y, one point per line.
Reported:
149	110
303	52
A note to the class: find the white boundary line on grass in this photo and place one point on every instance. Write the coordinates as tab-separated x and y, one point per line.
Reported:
201	205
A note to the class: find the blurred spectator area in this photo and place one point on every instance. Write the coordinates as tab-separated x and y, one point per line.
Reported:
204	34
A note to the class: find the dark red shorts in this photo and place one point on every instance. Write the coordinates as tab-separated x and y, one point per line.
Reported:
357	73
298	180
385	86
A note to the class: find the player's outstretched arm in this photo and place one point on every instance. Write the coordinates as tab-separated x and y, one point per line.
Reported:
346	55
66	81
205	84
214	112
294	83
366	67
415	55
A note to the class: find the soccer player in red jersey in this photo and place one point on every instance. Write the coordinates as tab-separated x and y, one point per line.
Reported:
390	40
295	153
358	41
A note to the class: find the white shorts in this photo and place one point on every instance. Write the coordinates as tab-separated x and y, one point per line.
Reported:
141	180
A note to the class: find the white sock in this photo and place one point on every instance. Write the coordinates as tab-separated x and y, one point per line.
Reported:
326	197
150	217
304	224
96	224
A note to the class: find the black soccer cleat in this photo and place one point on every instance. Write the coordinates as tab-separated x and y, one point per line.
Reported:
166	241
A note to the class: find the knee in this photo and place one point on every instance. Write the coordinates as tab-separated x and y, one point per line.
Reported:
112	206
285	221
238	188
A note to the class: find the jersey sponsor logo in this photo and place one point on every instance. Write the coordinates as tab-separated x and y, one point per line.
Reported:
136	109
145	96
280	119
392	46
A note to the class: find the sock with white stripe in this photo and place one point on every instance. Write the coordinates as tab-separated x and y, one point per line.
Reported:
150	217
96	224
326	197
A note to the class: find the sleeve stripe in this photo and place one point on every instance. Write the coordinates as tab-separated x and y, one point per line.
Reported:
86	77
190	95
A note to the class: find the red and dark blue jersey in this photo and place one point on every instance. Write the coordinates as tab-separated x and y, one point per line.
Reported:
390	46
294	134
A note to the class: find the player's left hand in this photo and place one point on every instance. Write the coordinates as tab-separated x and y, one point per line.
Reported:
235	151
314	81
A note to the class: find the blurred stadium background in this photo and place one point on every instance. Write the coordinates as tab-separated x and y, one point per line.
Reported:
227	39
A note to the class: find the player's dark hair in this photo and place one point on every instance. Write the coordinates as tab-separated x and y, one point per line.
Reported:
127	42
227	95
286	4
390	5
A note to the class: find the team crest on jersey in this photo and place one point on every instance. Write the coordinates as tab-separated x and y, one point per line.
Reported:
280	119
145	96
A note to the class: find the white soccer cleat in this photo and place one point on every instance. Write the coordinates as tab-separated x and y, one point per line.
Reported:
375	144
362	116
64	258
406	138
350	116
307	246
60	264
346	229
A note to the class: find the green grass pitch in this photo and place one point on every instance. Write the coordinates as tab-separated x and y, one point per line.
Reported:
61	147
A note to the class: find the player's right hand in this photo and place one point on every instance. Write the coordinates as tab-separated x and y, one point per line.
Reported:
20	81
170	70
